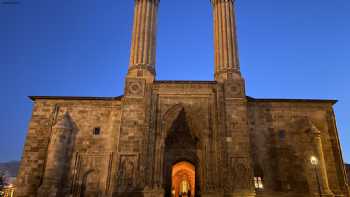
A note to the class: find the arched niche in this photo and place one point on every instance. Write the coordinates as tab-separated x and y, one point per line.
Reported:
180	145
90	184
176	115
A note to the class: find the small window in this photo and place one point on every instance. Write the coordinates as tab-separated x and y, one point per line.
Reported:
258	181
282	134
97	131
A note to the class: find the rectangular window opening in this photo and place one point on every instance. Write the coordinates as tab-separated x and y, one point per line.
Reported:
97	131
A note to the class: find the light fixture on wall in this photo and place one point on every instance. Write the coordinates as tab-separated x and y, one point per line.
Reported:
314	163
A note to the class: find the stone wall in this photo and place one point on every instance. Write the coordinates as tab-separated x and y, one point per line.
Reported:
91	156
347	168
282	144
154	126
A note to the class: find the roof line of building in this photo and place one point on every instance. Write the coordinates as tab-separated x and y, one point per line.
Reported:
185	81
292	100
33	98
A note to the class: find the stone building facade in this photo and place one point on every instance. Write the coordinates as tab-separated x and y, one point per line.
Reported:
347	167
230	144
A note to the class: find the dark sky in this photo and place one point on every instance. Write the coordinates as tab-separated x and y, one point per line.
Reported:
288	49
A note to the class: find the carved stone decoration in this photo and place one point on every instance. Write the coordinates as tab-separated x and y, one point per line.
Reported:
89	175
175	152
135	87
129	145
234	88
127	173
90	183
59	150
240	174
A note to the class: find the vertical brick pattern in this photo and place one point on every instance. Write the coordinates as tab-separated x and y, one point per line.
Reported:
143	47
225	38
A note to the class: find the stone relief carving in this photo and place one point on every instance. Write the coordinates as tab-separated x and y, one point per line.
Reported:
89	174
127	172
233	89
135	87
90	183
240	174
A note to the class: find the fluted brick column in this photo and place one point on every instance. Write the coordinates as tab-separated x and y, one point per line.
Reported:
225	40
143	47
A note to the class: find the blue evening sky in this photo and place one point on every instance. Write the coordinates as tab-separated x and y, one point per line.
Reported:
288	49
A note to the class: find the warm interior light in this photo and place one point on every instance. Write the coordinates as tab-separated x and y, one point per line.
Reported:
258	181
313	160
183	179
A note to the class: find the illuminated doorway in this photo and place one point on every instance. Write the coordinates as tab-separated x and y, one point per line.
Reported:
183	177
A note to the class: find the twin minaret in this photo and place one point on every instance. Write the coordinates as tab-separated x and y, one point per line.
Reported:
143	47
225	40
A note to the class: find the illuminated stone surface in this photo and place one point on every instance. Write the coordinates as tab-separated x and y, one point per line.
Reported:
347	167
229	138
183	178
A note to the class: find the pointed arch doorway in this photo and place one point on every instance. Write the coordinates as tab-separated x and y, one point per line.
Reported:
181	161
183	179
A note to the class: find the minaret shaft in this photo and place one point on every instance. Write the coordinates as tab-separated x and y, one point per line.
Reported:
225	39
143	47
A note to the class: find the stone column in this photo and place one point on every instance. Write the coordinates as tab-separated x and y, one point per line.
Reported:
57	158
317	142
225	40
143	47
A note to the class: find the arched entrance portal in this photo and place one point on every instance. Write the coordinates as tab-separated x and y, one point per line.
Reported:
183	179
181	162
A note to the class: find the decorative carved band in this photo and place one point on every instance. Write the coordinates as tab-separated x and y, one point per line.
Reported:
214	2
149	68
152	1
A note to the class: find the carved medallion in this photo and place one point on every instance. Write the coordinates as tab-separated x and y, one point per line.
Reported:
234	89
135	87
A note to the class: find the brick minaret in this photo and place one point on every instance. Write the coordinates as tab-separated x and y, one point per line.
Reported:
236	168
143	47
225	40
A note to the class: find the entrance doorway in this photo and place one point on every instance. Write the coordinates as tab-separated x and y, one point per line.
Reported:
183	179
